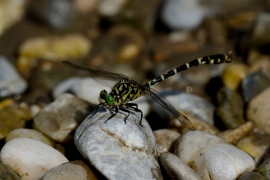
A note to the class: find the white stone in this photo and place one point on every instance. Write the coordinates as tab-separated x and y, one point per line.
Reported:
211	157
117	149
30	158
183	14
10	80
110	7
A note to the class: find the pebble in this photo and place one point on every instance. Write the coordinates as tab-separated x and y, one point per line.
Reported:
209	155
30	158
110	7
260	35
234	135
12	118
165	139
253	84
230	108
255	144
6	173
190	103
7	17
258	110
88	89
252	176
29	133
264	168
10	81
176	168
177	14
60	118
53	48
233	75
72	170
58	14
117	149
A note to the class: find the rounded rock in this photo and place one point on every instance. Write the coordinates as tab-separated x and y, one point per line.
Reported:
117	149
30	158
211	156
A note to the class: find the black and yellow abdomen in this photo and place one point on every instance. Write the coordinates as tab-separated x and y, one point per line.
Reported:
126	90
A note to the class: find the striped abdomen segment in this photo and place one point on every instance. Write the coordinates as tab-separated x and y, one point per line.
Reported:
126	90
212	59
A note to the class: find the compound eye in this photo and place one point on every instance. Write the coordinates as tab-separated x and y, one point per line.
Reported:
109	99
103	94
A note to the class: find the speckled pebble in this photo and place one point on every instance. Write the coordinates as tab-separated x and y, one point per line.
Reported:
30	158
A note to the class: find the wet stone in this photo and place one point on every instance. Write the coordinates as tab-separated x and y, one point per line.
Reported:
258	110
230	108
165	139
253	84
209	155
60	118
30	158
6	173
29	133
176	168
10	81
12	118
252	176
189	103
264	168
71	170
117	149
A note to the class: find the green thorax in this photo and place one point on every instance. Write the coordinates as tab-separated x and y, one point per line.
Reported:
126	90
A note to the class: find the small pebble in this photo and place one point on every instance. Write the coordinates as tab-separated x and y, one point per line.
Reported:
252	176
6	173
10	81
76	170
110	7
176	168
60	118
117	149
258	110
29	133
209	155
165	139
30	158
264	168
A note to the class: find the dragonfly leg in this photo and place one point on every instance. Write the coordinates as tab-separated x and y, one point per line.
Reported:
97	108
130	105
125	110
116	111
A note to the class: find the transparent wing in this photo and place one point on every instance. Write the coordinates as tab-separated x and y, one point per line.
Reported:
167	105
97	73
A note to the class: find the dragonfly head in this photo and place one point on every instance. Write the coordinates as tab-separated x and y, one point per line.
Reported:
106	99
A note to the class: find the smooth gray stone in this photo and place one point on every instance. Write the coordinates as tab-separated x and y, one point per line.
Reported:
176	168
117	149
10	81
252	176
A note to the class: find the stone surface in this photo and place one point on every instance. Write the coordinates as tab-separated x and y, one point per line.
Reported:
253	84
258	110
176	168
29	133
165	139
230	108
74	170
7	174
252	176
264	168
60	118
209	155
30	158
117	149
110	7
10	81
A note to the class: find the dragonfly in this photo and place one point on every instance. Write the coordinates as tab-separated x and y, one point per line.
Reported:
126	90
